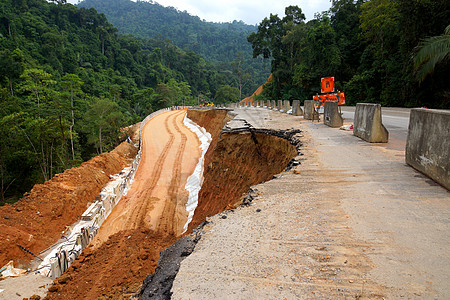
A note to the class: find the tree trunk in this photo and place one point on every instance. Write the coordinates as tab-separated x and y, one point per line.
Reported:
100	139
11	87
64	142
72	125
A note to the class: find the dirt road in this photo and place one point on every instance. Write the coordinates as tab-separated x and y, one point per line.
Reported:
144	222
170	153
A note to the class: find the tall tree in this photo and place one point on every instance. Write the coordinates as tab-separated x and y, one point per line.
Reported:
71	84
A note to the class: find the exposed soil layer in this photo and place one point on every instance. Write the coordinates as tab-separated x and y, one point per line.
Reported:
102	274
239	161
146	221
213	121
115	265
38	220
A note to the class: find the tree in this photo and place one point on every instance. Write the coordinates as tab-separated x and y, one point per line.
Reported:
71	83
243	77
11	66
37	82
227	94
430	52
103	121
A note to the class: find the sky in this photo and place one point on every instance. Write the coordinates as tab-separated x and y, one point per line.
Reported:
250	11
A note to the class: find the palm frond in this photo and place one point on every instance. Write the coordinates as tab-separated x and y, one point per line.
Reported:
431	52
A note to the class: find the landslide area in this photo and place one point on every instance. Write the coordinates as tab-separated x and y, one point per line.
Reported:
38	220
234	162
239	161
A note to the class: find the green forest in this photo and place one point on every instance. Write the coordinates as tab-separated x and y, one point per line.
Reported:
219	43
69	82
392	52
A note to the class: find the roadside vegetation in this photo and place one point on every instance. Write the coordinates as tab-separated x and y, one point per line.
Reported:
368	46
69	82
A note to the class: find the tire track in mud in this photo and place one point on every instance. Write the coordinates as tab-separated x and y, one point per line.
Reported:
171	225
137	217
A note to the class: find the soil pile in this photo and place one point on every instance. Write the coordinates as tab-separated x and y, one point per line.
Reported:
39	219
102	274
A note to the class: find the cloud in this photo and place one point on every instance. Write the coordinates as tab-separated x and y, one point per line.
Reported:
250	11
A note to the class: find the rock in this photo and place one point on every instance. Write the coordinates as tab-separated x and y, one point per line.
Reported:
53	288
258	210
64	279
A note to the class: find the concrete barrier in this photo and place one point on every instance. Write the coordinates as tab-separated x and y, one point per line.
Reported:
286	106
310	111
274	106
280	105
296	108
331	115
428	144
368	125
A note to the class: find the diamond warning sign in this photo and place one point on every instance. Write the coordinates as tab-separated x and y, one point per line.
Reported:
327	85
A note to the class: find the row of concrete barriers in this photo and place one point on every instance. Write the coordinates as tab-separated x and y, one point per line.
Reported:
428	141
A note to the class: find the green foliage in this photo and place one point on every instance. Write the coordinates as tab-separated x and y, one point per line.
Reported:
367	46
226	94
218	43
69	81
432	51
102	122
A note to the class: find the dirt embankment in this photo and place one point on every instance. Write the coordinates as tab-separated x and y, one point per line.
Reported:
38	220
239	161
234	162
143	223
213	121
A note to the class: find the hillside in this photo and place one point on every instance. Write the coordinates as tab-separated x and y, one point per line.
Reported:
217	42
69	82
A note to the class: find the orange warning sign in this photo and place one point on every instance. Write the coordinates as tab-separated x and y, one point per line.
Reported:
327	85
320	99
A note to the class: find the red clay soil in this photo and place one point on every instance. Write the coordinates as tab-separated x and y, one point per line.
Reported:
233	163
38	220
238	162
101	274
145	222
213	121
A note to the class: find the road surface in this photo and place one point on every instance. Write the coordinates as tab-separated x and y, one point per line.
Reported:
396	121
352	222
